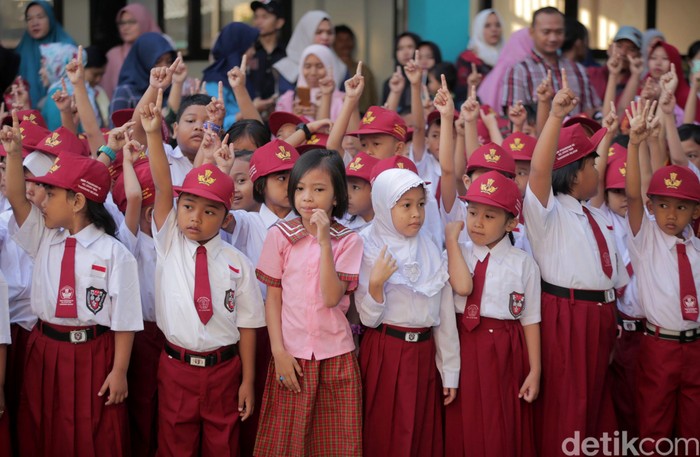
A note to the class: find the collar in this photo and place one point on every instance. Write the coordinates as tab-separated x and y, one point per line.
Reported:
498	252
85	237
175	153
269	218
671	241
539	58
295	231
213	246
570	203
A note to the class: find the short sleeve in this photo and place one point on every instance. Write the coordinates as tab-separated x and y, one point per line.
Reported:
5	336
165	237
249	302
271	264
31	233
533	287
127	238
348	259
535	213
638	244
125	292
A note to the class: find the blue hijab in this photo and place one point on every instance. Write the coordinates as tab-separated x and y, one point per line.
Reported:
28	50
233	41
144	54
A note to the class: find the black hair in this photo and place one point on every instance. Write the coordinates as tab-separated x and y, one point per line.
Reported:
545	10
252	128
416	39
563	178
96	57
531	114
437	55
449	70
244	154
329	161
693	49
260	184
345	29
192	100
97	214
573	31
689	131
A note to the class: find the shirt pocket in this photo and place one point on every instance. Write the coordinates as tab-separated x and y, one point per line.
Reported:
516	303
230	296
96	293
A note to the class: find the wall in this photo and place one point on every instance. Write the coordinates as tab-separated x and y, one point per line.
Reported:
446	22
678	20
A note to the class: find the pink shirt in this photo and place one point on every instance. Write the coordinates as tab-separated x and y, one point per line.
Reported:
290	259
286	103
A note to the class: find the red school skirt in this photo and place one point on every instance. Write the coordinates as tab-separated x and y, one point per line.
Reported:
402	396
325	419
14	378
60	413
487	418
575	394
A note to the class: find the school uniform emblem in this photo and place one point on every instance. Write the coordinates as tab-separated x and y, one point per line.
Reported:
229	302
95	299
516	304
690	304
472	311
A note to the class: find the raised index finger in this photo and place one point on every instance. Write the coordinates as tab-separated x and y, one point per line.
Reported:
444	82
244	63
159	99
221	92
80	55
359	68
564	80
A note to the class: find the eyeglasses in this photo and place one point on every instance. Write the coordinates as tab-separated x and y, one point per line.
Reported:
125	23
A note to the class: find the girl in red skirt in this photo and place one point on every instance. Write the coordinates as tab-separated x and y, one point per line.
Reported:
85	292
312	400
404	299
498	325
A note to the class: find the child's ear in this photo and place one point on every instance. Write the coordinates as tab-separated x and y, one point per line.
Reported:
227	220
696	211
511	224
174	129
148	214
400	148
466	180
650	206
79	203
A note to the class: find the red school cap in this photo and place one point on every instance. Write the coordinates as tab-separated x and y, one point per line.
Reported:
317	141
31	115
378	120
589	125
574	144
494	189
61	141
675	181
396	161
122	116
272	157
279	118
521	146
615	174
143	173
492	157
361	166
209	182
80	174
616	152
31	133
435	115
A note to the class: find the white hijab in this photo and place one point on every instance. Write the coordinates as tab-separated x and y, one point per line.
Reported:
302	37
421	266
486	52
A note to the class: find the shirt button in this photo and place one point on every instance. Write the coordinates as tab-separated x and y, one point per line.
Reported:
490	330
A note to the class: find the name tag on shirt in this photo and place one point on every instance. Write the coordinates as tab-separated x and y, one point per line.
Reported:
98	271
235	272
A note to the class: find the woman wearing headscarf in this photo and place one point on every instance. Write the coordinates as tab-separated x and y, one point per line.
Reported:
148	51
405	46
232	43
42	28
661	56
649	40
314	27
133	20
484	47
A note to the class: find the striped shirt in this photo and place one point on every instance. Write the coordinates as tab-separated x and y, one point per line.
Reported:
522	79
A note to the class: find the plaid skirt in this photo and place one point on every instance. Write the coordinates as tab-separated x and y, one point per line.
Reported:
325	419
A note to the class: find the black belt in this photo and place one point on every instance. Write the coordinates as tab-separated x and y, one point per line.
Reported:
685	336
600	296
78	335
199	360
410	337
631	325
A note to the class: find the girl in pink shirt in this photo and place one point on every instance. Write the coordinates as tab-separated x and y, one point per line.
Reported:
312	400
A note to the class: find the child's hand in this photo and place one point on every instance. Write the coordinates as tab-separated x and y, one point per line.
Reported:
61	98
180	71
474	78
131	150
216	110
530	388
443	100
306	111
320	219
651	90
327	83
383	268
209	145
20	96
636	66
152	114
517	115
667	102
565	100
413	70
453	229
669	81
117	137
654	121
471	108
117	386
286	370
425	98
75	69
355	85
611	121
489	119
246	400
237	75
199	87
321	125
11	137
545	91
639	123
459	126
162	77
397	82
450	394
224	156
614	64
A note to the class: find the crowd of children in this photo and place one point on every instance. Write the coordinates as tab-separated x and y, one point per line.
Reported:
337	283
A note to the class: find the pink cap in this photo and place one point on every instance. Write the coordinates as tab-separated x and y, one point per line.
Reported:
494	189
615	174
589	125
209	182
272	157
79	174
122	116
616	152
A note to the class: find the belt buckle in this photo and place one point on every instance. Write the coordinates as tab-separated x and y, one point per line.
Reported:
78	336
609	295
197	361
629	326
411	337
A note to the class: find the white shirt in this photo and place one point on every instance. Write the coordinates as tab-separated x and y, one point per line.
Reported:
5	336
511	274
102	265
405	308
113	210
564	246
428	168
179	164
17	267
144	250
230	273
655	263
357	223
694	169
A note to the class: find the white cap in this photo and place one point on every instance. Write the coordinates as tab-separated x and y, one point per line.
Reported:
38	163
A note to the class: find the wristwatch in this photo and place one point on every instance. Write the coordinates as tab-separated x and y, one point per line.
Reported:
306	130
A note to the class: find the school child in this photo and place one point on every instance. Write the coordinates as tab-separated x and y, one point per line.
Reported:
498	326
666	259
207	305
404	300
5	341
580	269
312	403
359	172
283	124
85	293
243	196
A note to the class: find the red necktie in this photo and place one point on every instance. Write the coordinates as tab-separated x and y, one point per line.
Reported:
202	290
66	304
689	296
472	310
602	244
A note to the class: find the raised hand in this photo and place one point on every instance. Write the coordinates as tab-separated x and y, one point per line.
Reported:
397	82
327	83
237	75
117	137
545	91
614	64
320	219
639	122
225	155
651	90
320	125
611	122
443	100
636	66
132	149
453	230
667	103
151	115
20	96
565	100
61	97
180	71
517	115
355	85
216	109
75	69
669	81
471	108
413	70
474	78
11	137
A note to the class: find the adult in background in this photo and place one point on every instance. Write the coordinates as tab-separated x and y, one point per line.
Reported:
9	66
405	46
268	18
42	28
345	45
483	50
521	81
